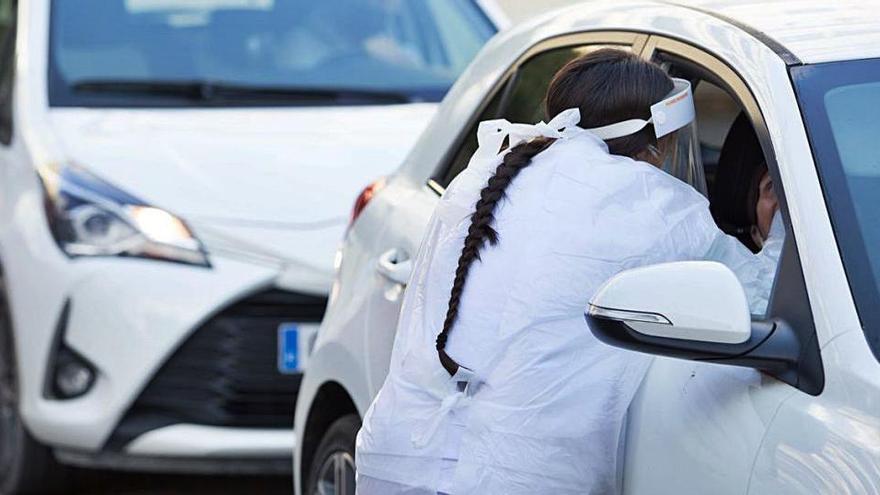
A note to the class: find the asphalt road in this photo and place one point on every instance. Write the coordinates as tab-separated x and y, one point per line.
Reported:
113	483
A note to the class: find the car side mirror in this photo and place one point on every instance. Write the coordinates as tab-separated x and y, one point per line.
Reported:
691	310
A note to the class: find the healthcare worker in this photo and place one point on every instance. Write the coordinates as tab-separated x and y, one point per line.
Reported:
496	385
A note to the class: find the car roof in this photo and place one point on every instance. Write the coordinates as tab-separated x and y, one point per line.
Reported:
812	30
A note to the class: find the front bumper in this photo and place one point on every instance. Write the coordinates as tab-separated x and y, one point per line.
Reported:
225	376
172	345
195	449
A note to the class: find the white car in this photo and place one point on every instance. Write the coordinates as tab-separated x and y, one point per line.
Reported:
174	180
800	80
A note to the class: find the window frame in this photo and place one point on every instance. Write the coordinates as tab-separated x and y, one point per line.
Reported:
789	302
636	41
729	80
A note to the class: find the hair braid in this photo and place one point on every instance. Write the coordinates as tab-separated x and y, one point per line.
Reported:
481	231
607	86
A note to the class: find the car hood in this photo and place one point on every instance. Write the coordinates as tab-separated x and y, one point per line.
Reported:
301	166
279	178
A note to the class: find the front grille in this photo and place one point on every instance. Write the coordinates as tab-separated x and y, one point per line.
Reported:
225	373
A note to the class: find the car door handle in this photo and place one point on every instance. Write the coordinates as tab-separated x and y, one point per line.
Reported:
395	265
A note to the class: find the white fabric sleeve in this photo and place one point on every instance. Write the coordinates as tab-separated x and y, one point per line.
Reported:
756	272
692	234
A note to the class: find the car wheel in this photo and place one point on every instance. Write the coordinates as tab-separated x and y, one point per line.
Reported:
332	471
26	467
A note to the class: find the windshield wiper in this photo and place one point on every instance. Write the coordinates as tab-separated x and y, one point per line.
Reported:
210	91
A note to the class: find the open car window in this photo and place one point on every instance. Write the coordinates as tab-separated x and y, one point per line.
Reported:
733	165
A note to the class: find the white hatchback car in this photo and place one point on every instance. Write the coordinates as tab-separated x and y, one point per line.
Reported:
174	180
793	84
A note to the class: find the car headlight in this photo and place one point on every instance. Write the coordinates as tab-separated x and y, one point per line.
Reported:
90	217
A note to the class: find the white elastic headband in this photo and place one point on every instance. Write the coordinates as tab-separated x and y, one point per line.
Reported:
668	115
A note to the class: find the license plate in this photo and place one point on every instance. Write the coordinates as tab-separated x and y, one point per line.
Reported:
288	348
295	343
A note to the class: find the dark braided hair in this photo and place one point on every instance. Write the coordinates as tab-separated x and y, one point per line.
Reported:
608	86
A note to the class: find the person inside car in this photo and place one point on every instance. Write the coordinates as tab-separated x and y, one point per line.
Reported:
742	198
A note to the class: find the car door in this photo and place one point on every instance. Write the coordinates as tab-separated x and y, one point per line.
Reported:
831	443
516	96
695	427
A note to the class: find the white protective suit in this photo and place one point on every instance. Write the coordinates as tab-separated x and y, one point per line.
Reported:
544	407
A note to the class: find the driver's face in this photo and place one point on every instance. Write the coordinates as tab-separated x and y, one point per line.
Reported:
766	207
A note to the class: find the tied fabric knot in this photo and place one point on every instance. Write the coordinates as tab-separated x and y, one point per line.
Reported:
492	133
420	438
463	385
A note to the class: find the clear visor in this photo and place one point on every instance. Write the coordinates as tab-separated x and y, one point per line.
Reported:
682	157
678	143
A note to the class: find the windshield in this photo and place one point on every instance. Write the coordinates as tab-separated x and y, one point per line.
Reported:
182	52
840	103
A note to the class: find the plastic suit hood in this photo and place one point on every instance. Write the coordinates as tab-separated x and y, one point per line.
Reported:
543	411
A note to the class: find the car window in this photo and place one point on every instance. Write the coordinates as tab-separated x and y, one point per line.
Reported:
7	14
469	142
520	100
411	48
733	165
7	67
718	111
839	101
526	102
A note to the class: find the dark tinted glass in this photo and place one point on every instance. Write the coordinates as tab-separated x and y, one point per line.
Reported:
7	69
522	101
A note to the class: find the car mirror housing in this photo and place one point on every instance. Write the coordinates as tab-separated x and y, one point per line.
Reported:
693	310
701	301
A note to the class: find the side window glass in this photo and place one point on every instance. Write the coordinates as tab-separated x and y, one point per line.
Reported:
526	102
7	15
7	63
520	100
469	143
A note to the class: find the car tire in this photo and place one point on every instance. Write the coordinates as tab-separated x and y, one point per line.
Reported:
333	469
26	466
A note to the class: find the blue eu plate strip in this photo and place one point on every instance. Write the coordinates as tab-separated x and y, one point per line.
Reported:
288	343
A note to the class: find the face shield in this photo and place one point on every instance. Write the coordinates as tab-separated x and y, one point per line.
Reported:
676	132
